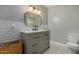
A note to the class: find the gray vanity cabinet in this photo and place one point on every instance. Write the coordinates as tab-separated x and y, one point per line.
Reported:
36	42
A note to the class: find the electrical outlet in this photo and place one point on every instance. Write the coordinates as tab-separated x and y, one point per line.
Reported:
13	26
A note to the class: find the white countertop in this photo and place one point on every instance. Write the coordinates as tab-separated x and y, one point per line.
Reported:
24	31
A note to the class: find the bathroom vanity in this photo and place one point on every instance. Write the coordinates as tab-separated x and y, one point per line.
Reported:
35	42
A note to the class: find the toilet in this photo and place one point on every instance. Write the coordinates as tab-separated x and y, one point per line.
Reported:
73	42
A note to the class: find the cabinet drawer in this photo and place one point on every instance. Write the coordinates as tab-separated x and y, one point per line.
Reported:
34	36
34	49
34	42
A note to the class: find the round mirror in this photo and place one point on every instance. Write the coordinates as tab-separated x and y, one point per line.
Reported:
31	19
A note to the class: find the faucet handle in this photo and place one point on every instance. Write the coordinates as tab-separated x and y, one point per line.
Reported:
36	27
33	28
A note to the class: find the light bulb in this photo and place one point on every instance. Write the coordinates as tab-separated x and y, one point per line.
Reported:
30	9
39	12
35	11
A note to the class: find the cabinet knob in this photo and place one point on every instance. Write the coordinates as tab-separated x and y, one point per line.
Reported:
36	37
34	45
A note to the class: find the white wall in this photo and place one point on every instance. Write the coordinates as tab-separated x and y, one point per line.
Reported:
12	14
68	21
6	31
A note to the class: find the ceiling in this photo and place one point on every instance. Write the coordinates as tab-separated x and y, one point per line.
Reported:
48	6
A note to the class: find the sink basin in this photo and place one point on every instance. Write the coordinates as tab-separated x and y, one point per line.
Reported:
33	31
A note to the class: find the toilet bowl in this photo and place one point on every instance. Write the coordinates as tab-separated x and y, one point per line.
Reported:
73	47
73	42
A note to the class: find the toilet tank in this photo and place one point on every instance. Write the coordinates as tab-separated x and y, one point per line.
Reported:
73	38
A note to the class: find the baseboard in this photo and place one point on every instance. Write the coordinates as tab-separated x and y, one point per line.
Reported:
57	43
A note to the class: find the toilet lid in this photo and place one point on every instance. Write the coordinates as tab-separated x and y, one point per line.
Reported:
73	44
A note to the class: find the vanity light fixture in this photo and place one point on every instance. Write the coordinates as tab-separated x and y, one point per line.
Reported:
34	10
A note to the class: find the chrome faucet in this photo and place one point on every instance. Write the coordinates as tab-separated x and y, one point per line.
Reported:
35	28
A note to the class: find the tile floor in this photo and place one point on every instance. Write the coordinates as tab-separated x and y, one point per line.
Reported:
56	48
